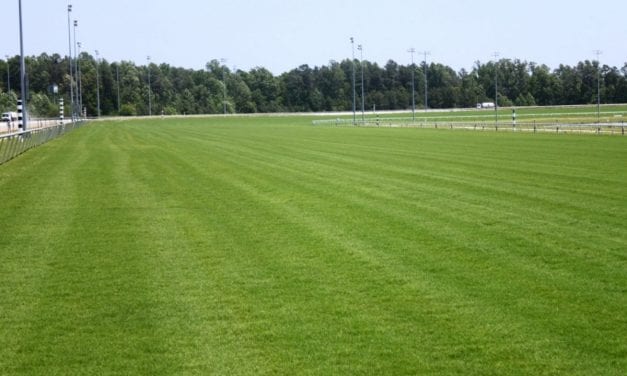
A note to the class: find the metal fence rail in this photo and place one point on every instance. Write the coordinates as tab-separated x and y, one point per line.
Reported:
14	144
535	127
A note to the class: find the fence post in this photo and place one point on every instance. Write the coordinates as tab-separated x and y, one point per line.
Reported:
20	120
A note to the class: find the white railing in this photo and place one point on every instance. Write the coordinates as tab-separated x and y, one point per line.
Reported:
536	127
16	143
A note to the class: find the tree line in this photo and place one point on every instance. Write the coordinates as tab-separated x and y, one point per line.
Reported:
125	88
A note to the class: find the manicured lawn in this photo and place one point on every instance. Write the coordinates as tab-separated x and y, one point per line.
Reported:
562	115
266	245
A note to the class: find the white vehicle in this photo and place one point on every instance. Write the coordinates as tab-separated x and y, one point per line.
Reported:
485	105
9	116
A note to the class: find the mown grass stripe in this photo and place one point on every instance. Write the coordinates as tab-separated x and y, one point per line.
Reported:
260	246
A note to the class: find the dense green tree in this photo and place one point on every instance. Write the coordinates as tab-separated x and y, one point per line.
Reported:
303	89
265	90
543	86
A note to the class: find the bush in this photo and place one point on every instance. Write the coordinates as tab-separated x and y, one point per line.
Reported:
128	110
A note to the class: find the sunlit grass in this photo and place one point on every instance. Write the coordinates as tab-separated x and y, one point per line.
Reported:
269	246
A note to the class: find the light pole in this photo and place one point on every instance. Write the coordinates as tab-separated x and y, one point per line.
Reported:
361	67
23	74
8	75
496	87
69	41
413	89
78	97
353	65
98	82
598	53
149	89
223	61
426	82
117	79
79	81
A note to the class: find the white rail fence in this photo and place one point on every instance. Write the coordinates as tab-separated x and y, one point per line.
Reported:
13	144
534	127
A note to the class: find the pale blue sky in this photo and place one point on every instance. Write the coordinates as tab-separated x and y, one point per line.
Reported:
283	34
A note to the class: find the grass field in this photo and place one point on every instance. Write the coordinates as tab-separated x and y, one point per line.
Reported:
269	246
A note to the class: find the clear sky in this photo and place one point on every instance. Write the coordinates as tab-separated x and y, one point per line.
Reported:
283	34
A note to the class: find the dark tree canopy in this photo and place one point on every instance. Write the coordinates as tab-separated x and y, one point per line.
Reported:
124	86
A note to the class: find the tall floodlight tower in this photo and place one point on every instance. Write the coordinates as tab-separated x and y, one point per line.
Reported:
361	67
117	80
412	51
98	81
149	89
353	65
426	82
223	61
23	74
69	41
496	87
78	98
8	75
79	83
598	53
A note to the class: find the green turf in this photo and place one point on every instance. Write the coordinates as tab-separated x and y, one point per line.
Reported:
269	246
561	115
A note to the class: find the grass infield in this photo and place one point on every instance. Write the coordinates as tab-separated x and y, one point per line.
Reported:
269	246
